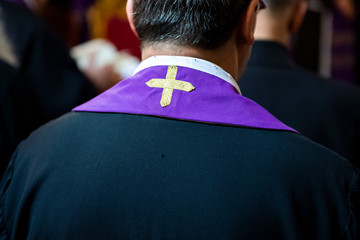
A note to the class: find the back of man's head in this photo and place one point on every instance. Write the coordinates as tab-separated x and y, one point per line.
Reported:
205	24
280	20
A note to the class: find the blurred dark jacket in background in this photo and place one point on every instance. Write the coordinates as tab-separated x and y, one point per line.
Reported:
45	84
324	110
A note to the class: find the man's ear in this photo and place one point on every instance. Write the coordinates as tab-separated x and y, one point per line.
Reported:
297	17
248	21
347	8
130	16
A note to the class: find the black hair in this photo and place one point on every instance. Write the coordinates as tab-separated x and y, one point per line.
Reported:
278	5
205	24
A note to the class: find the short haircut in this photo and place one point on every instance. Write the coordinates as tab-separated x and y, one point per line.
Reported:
205	24
278	5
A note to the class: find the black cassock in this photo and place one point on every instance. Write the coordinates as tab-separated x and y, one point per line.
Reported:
139	177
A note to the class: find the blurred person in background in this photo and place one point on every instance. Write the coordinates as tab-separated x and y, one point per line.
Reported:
81	25
328	41
350	9
77	21
324	110
346	39
61	16
40	81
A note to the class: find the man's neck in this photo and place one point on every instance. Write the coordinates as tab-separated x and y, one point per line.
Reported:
269	29
225	57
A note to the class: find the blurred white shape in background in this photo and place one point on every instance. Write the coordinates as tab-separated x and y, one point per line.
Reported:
98	53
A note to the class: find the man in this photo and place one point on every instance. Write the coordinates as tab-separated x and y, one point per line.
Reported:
175	151
39	80
321	109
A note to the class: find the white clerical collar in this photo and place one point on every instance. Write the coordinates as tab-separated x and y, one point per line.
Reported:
189	62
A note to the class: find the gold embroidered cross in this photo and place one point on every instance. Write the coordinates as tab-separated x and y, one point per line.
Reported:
169	84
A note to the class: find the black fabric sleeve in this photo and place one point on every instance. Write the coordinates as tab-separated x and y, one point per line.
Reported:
4	185
352	229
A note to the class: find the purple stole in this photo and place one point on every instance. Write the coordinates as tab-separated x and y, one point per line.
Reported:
183	93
